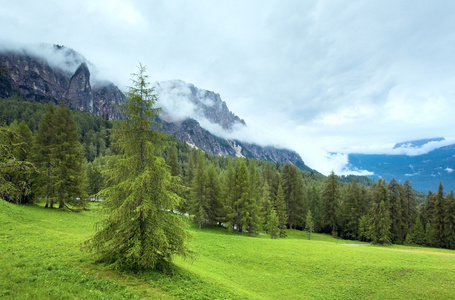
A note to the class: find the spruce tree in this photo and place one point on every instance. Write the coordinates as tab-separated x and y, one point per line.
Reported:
14	172
272	224
396	196
309	225
331	203
280	207
198	203
139	229
438	217
212	191
58	156
172	161
294	195
380	223
69	176
417	234
449	220
44	149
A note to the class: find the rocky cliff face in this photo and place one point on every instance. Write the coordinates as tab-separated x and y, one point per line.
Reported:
191	132
34	77
198	103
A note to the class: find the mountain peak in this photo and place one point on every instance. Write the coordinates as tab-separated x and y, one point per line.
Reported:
181	100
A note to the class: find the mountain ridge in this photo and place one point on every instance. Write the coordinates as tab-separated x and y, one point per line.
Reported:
425	171
37	79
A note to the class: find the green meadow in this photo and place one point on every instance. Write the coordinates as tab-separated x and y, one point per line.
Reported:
40	258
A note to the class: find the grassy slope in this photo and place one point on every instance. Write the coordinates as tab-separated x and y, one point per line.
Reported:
40	258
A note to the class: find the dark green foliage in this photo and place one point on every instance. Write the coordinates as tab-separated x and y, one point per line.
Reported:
212	193
280	207
15	170
272	224
58	157
417	234
437	220
294	195
331	203
449	220
379	217
309	225
398	212
198	203
139	229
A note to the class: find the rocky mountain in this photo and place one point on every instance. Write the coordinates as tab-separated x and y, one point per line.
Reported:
198	103
193	134
27	73
51	73
424	171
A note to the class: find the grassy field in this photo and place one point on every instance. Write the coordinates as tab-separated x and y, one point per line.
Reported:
40	259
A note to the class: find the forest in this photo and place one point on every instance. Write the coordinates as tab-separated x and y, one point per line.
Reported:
54	155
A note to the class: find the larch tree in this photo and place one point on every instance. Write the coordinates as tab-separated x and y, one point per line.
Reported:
58	156
69	180
139	229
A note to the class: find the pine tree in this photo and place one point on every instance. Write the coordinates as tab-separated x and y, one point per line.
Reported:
294	195
417	234
379	218
14	172
309	225
449	220
44	147
254	223
212	191
69	176
267	205
330	202
139	229
280	207
272	224
409	206
240	215
172	161
438	216
430	236
58	156
198	203
396	196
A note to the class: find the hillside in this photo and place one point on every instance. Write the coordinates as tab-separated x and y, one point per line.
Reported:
40	258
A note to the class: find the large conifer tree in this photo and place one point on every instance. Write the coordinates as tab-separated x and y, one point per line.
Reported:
139	229
59	159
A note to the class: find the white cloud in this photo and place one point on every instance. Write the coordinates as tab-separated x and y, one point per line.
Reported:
322	76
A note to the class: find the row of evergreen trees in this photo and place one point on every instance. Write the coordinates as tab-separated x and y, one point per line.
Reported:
245	195
47	164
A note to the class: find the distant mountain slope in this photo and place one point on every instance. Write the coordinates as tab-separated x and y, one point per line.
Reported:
423	171
66	76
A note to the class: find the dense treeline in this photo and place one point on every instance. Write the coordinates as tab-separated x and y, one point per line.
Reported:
40	144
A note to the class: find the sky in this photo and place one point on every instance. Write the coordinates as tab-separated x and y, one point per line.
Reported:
319	77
